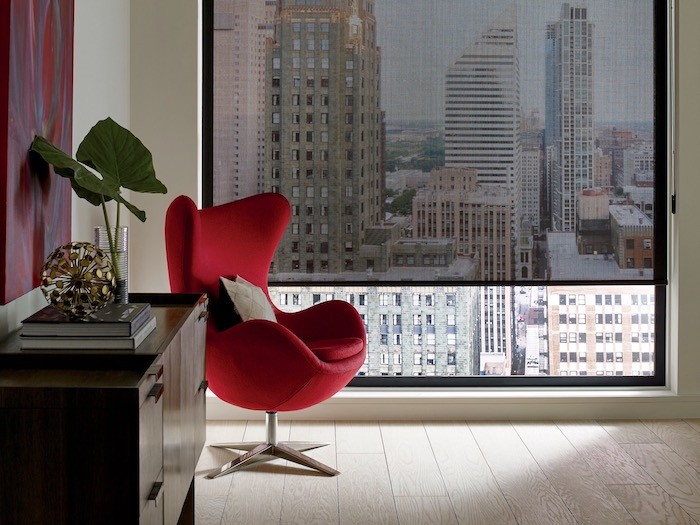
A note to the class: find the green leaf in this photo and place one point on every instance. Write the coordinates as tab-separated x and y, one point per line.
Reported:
116	154
85	183
121	159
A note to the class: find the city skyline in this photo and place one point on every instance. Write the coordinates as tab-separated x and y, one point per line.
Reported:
418	49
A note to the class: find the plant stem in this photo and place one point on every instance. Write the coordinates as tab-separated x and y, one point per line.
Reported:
111	240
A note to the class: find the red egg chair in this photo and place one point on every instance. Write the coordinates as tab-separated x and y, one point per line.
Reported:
298	361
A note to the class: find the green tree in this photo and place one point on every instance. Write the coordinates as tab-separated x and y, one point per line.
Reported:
403	204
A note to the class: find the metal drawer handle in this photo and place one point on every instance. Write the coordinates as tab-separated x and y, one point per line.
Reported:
204	314
156	370
156	391
155	491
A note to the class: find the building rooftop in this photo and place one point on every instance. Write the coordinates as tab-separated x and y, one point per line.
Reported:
565	263
629	215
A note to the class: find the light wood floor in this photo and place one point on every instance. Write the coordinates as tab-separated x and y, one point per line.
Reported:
592	472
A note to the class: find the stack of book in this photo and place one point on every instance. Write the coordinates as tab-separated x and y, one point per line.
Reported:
114	327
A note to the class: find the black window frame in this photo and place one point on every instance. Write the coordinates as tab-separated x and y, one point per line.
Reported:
662	62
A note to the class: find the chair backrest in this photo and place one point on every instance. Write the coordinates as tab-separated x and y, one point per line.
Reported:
238	238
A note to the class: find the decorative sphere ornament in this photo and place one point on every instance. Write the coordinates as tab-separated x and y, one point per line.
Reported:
78	279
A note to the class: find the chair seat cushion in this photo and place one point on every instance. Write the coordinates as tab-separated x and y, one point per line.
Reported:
329	350
249	301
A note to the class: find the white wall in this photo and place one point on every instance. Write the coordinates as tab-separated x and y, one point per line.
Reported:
100	87
165	115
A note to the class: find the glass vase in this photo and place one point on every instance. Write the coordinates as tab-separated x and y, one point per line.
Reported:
119	258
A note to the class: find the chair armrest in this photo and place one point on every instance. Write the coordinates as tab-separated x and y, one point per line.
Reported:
327	320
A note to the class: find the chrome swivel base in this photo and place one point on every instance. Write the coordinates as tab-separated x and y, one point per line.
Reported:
269	450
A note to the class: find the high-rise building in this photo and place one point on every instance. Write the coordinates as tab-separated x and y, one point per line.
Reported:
241	30
532	176
482	106
570	101
324	130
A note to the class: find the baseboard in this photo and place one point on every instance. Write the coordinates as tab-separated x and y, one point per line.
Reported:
368	404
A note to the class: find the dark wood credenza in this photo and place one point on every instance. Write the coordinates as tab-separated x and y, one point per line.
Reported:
106	437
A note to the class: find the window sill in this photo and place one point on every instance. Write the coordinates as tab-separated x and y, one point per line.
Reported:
493	404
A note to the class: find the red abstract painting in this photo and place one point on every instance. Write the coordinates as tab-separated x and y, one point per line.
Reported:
36	98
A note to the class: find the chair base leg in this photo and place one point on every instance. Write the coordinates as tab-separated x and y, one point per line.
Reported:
300	446
268	452
271	449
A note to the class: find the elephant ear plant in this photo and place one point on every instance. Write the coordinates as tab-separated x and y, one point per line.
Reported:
122	161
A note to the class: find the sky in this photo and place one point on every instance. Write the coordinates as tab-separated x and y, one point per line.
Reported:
420	39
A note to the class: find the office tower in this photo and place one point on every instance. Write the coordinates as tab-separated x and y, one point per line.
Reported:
531	177
482	110
241	30
324	132
571	68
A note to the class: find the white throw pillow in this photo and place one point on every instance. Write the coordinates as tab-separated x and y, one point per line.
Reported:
249	300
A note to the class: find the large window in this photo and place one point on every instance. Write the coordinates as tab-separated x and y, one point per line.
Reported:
487	186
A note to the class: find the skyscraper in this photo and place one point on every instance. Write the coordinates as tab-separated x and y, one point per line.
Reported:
482	109
324	131
482	115
570	102
241	30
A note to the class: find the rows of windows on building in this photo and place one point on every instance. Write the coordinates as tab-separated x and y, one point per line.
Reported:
439	331
297	107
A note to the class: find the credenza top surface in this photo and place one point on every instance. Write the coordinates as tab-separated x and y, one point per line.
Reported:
94	367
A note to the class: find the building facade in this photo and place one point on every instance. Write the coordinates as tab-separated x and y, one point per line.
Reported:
324	129
241	31
594	331
411	330
456	206
532	175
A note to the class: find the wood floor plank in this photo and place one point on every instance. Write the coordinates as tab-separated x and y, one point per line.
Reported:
680	436
212	493
412	466
577	484
425	510
256	492
471	486
604	455
526	488
303	485
629	431
364	490
671	473
651	505
694	423
458	472
358	437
